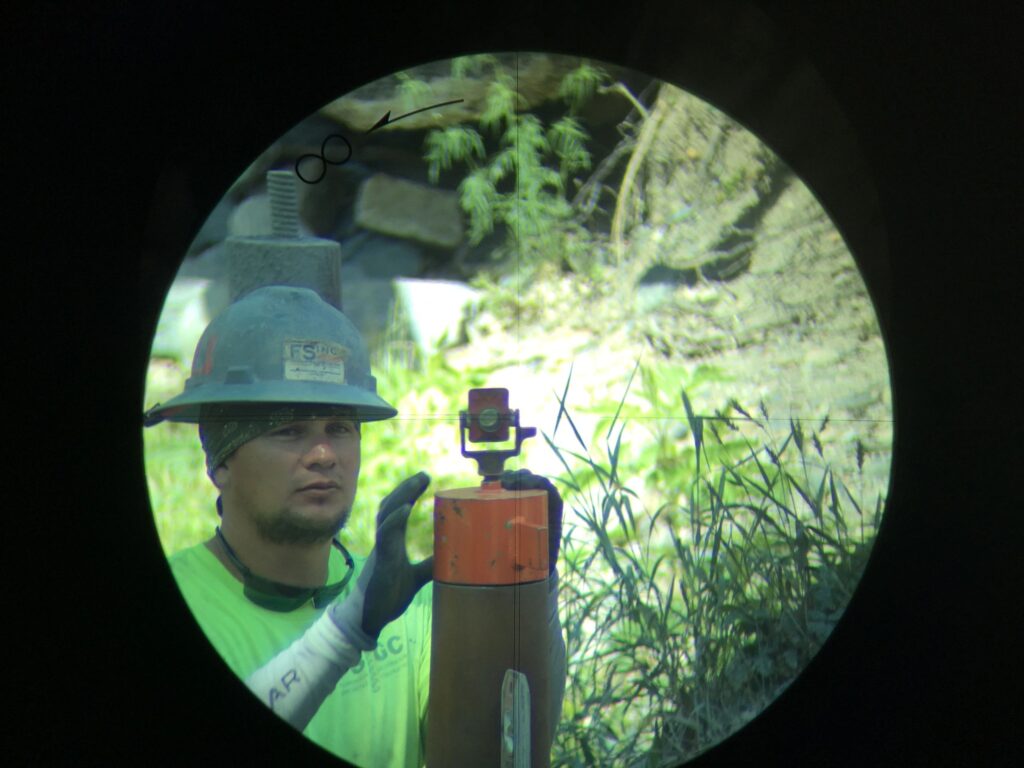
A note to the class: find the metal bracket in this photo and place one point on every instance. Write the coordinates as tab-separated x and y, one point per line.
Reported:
488	420
515	720
492	463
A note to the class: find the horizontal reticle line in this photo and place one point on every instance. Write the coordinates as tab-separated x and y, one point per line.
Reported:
450	417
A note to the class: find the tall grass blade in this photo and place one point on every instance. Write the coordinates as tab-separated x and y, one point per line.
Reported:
696	427
819	498
798	434
834	505
562	400
817	444
563	410
784	446
822	535
714	552
574	485
764	475
853	501
613	457
803	494
739	408
617	503
618	410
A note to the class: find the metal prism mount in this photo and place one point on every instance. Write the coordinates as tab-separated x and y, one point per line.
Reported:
488	420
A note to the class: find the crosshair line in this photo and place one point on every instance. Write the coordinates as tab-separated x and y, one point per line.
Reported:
674	417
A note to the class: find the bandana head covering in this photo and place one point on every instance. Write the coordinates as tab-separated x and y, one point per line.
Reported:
225	427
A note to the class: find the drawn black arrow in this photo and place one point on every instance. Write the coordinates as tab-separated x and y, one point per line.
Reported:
388	120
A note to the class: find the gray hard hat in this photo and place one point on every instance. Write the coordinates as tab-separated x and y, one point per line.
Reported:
278	344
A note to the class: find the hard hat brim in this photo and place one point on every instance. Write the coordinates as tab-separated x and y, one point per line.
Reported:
186	406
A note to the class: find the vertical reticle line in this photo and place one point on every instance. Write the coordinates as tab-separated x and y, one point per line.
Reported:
517	595
519	220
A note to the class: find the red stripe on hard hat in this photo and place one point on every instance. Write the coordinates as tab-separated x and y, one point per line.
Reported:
208	360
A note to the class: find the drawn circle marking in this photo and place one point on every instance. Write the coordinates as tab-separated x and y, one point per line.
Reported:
322	157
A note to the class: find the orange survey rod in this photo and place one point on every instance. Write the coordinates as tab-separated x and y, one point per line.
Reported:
489	675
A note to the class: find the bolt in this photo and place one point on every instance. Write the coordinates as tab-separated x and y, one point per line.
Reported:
284	204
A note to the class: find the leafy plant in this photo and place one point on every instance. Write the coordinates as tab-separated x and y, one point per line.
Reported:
521	186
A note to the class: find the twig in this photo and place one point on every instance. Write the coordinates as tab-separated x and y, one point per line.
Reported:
624	91
603	169
643	144
627	144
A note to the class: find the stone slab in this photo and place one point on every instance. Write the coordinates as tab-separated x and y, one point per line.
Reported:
404	209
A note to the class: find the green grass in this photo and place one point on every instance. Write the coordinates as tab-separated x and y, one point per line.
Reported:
683	622
181	496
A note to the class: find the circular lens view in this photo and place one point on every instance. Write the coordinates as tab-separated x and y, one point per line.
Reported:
426	269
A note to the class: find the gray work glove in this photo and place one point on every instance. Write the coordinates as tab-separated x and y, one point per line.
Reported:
524	479
388	581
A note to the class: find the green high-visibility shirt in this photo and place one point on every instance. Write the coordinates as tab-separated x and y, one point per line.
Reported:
376	716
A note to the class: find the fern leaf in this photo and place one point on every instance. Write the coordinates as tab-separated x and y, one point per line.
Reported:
548	177
412	91
527	135
503	164
567	138
463	66
477	196
500	104
455	144
580	84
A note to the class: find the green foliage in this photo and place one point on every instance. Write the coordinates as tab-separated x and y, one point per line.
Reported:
412	92
467	66
478	196
568	140
581	84
522	185
454	144
181	495
661	461
685	621
501	104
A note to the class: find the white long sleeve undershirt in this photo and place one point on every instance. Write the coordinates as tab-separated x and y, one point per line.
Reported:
297	680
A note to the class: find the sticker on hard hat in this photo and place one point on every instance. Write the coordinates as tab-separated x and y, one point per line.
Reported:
311	360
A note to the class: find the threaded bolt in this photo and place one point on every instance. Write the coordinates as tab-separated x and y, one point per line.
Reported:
284	204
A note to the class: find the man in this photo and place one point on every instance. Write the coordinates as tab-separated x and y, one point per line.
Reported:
336	644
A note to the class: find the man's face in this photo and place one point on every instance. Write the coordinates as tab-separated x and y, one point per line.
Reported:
295	483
